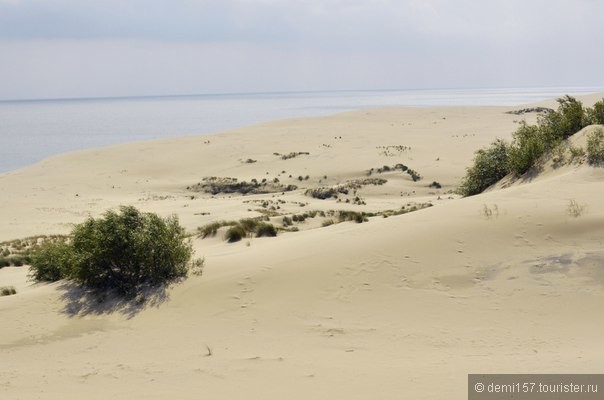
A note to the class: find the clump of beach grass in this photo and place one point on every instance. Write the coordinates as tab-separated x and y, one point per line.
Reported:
7	291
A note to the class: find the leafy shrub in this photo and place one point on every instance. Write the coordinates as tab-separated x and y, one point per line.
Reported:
595	115
7	290
121	251
4	262
528	146
595	147
235	233
490	165
52	261
567	120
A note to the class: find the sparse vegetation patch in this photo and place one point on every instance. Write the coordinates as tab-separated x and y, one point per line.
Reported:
292	155
415	176
530	110
393	151
215	185
345	188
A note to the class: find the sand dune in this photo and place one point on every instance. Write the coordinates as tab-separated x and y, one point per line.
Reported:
508	281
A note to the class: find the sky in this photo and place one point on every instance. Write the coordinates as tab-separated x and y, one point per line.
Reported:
100	48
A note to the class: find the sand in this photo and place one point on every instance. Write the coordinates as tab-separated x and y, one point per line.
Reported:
508	281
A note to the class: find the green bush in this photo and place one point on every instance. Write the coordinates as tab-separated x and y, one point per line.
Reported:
569	119
595	115
530	143
595	147
121	251
490	165
52	261
235	233
528	146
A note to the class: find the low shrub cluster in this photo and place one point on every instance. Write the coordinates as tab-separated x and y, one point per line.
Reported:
530	143
323	193
15	261
293	155
122	252
214	186
358	217
7	290
327	192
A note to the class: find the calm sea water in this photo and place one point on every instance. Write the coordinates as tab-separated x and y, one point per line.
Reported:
33	130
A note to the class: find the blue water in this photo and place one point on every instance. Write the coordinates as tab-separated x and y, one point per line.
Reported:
33	130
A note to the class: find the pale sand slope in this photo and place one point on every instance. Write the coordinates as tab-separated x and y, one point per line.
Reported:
403	307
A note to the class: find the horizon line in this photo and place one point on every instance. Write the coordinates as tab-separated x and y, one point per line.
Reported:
278	92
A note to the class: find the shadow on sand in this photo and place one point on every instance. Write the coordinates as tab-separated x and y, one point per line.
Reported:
80	301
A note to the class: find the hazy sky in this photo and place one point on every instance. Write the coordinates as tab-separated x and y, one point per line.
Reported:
87	48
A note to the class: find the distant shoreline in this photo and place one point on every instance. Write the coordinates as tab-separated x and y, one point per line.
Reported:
34	130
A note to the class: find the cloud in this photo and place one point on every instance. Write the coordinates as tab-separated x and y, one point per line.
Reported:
57	48
292	20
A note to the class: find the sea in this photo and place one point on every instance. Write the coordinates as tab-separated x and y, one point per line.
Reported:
32	130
